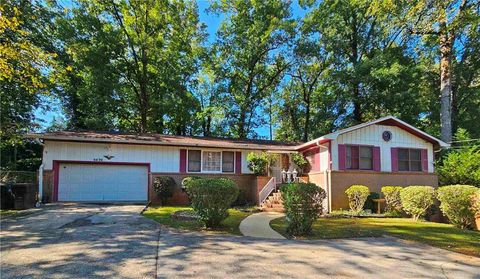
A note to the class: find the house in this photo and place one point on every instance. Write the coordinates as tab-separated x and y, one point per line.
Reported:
108	167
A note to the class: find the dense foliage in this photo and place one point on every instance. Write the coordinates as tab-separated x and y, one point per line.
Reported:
299	160
164	187
456	202
211	198
461	165
416	200
357	196
295	69
392	198
258	163
303	205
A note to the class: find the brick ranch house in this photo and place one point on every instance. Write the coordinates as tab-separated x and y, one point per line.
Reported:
110	167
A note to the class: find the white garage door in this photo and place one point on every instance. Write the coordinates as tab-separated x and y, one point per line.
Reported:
83	182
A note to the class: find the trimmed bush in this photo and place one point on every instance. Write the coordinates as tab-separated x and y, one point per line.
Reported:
416	200
211	198
392	199
357	196
164	187
303	205
476	203
457	204
188	179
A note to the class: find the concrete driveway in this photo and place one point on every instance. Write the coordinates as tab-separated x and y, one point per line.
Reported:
114	241
80	241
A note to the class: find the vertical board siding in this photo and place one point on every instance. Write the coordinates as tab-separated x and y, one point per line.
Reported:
183	161
372	135
313	158
376	159
341	157
424	157
238	162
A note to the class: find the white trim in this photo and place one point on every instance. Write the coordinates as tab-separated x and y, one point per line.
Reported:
221	161
334	135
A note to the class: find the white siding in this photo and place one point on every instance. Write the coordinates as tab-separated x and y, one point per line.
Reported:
324	157
372	135
161	158
245	168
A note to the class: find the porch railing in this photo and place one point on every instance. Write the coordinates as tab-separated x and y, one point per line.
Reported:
267	190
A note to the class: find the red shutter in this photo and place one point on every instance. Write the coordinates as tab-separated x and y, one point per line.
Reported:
376	158
238	162
183	160
341	157
424	160
394	158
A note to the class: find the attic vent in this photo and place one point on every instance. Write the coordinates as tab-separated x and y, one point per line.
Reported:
387	135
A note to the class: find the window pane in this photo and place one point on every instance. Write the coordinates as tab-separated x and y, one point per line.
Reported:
194	160
402	154
403	165
415	166
352	157
228	161
415	155
366	152
211	161
366	158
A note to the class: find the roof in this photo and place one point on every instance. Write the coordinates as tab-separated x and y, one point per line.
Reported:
167	140
388	121
215	142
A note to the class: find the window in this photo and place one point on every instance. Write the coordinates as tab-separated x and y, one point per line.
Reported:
409	159
359	157
194	160
228	161
211	161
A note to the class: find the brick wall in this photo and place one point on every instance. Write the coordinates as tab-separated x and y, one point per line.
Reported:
246	183
341	180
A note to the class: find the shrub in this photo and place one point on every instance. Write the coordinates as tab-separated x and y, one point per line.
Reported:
460	165
476	202
357	196
369	204
299	160
164	186
303	205
457	204
188	179
257	162
392	199
211	198
417	199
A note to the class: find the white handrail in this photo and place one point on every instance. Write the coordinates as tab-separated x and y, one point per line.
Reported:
267	190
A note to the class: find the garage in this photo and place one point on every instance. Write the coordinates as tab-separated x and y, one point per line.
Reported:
102	182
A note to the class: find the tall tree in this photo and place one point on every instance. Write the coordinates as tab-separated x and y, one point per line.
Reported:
24	61
251	45
440	24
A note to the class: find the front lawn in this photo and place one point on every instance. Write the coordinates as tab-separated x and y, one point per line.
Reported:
163	215
435	234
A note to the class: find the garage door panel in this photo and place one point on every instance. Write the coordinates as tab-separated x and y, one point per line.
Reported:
84	182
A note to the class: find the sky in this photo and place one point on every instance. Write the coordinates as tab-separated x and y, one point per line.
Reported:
45	116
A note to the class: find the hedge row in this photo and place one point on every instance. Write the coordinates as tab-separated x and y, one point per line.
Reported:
460	203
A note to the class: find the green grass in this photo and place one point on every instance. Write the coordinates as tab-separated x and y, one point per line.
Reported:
163	215
444	236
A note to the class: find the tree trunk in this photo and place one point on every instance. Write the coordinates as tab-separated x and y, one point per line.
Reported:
306	128
446	48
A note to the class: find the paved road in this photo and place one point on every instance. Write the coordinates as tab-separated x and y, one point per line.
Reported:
114	241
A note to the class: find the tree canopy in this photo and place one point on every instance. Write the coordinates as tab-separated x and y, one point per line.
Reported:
150	66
